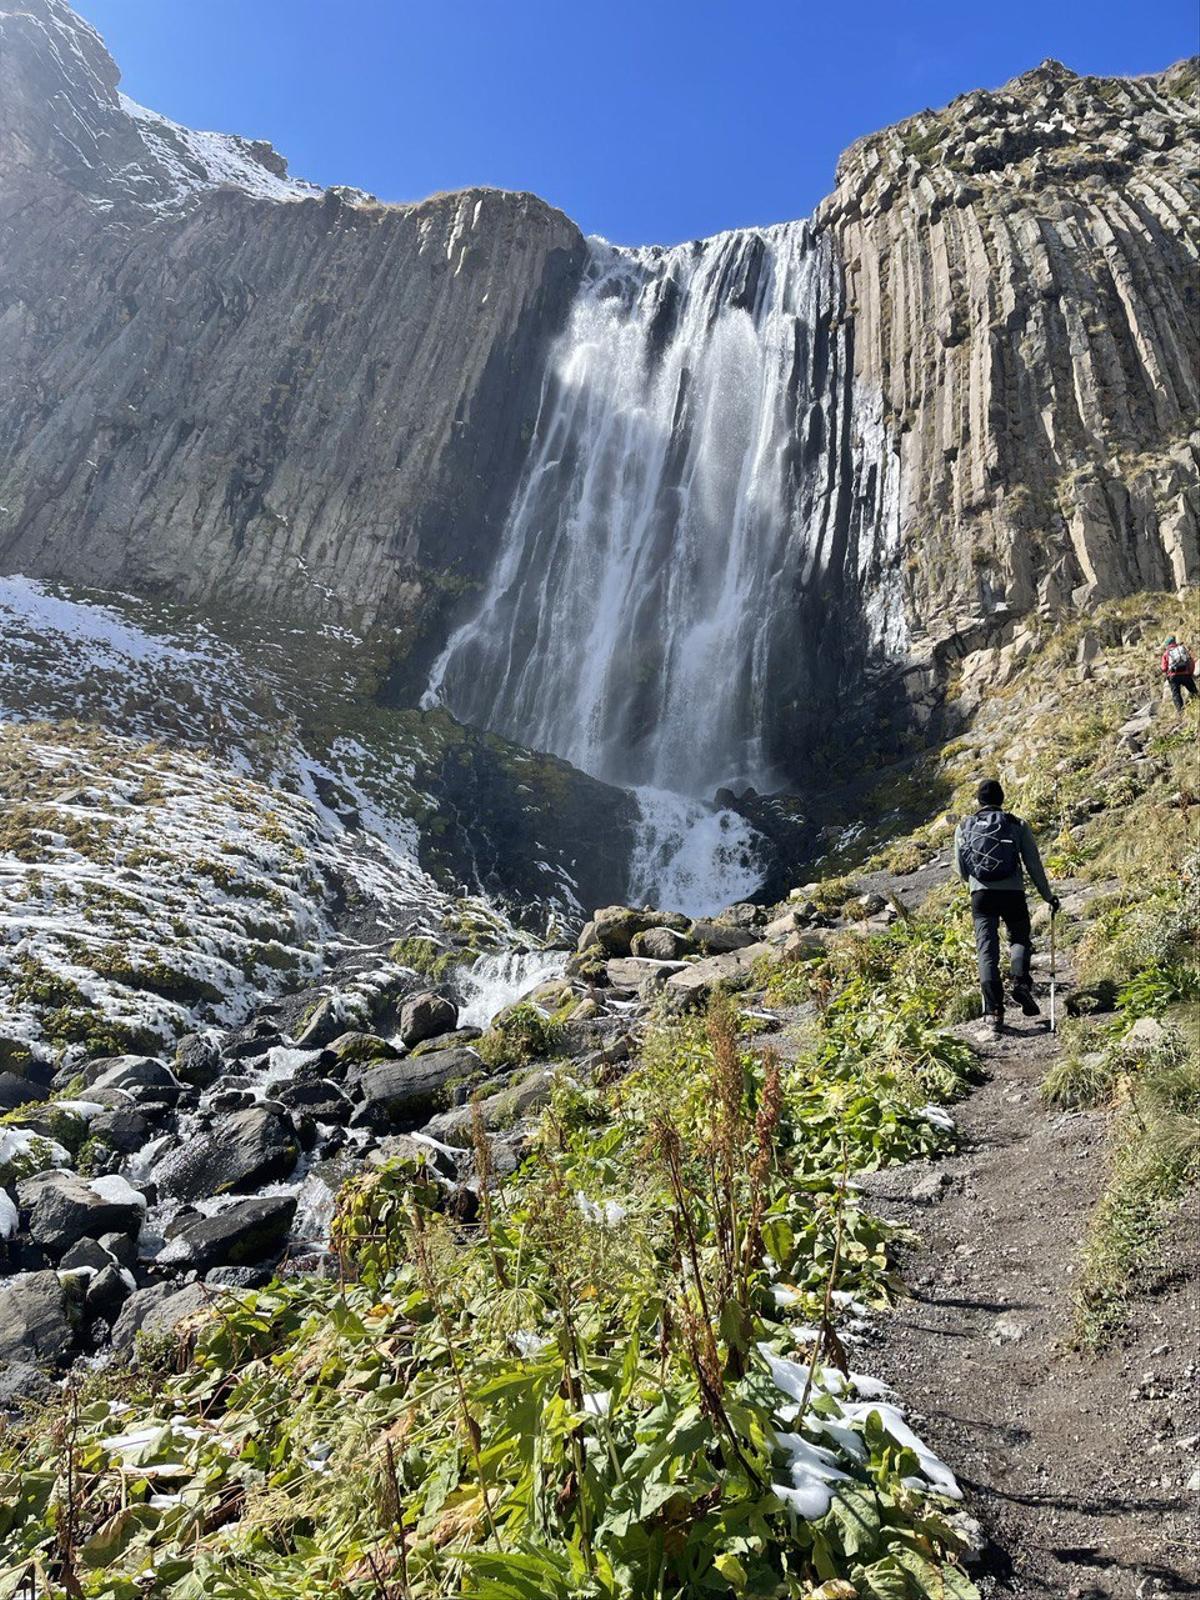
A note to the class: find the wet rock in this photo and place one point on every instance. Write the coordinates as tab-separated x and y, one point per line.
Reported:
407	1091
241	1235
237	1277
64	1208
248	1148
320	1100
34	1319
497	1111
426	1015
198	1059
257	1045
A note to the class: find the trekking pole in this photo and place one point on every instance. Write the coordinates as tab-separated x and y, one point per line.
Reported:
1053	984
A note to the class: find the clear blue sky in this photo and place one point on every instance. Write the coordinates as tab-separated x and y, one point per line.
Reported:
645	120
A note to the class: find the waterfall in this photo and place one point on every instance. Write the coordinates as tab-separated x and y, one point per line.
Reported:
686	483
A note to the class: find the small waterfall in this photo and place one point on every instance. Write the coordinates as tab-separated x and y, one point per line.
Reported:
495	981
691	857
694	473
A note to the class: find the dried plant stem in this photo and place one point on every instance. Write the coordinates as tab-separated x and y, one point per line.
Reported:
470	1426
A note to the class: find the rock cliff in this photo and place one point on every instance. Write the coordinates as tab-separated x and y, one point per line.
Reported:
1022	283
224	383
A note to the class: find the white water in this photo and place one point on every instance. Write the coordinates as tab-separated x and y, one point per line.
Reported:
698	468
495	981
656	542
690	857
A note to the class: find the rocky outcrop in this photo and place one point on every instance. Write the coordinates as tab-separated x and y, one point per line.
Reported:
222	384
1021	277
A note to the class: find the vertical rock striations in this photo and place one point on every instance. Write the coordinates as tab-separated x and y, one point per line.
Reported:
224	384
1022	277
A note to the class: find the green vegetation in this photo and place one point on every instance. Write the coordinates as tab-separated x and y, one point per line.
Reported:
519	1035
579	1395
424	956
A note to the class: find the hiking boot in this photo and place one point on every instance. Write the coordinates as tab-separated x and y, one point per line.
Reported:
1022	993
992	1027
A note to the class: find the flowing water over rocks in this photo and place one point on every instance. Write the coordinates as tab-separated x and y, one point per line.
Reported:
682	493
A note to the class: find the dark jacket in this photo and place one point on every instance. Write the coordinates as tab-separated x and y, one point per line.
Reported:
1026	845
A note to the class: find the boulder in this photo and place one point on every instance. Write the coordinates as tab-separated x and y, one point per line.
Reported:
316	1098
16	1092
637	972
86	1253
447	1041
406	1147
809	942
123	1130
64	1208
258	1044
241	1235
325	1022
35	1322
107	1293
198	1059
238	1277
157	1311
357	1049
662	944
134	1078
615	926
21	1385
742	915
696	983
247	1148
426	1015
410	1090
717	938
500	1110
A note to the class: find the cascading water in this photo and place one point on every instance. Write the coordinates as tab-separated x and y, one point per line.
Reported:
685	484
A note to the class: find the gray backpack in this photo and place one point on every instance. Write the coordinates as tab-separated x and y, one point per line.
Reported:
988	846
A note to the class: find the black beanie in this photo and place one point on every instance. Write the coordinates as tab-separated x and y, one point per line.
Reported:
990	793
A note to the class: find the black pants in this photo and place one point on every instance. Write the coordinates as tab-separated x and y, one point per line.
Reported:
1178	685
991	907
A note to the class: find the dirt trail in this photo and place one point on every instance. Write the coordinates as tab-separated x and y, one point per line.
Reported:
1073	1464
1077	1467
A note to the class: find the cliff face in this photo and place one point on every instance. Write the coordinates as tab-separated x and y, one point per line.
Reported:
1022	281
225	384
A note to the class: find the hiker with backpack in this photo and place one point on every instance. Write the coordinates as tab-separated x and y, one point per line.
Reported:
990	847
1179	669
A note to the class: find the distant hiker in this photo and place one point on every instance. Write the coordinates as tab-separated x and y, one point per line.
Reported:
1179	669
989	847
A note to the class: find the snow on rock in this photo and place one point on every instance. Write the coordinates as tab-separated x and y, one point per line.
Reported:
195	161
8	1215
148	891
